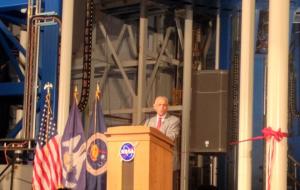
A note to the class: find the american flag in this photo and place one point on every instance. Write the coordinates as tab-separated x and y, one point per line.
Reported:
47	169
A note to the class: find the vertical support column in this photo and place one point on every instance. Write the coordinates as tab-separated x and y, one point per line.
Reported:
186	99
141	64
65	65
225	39
246	95
217	58
277	92
19	112
259	86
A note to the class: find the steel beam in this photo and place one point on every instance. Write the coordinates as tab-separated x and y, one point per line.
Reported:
11	89
14	19
140	99
12	38
9	5
12	58
116	58
186	101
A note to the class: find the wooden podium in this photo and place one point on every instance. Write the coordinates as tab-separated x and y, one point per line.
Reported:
151	167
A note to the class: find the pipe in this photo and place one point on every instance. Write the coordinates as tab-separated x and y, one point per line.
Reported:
19	112
65	65
186	101
246	95
215	171
277	93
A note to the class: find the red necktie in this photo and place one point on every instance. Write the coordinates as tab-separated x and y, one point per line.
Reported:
159	123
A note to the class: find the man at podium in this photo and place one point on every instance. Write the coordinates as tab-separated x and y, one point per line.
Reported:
164	122
141	157
168	125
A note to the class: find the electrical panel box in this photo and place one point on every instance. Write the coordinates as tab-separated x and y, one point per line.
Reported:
209	111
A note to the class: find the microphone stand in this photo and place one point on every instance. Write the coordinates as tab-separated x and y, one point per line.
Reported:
144	120
12	172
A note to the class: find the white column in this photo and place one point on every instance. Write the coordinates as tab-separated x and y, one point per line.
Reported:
246	95
277	90
65	65
186	98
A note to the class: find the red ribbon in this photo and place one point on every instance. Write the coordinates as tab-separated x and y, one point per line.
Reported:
268	133
278	135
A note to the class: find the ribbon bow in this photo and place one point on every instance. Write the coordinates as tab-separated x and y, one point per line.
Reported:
268	133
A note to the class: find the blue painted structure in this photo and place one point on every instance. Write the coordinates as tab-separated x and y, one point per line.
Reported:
49	53
48	57
10	11
9	5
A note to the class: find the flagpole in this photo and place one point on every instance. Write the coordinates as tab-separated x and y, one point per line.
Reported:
97	98
47	150
47	87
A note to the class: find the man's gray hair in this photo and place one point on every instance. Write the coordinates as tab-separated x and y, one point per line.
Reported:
161	97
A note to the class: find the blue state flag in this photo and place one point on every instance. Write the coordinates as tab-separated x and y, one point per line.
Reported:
74	152
96	150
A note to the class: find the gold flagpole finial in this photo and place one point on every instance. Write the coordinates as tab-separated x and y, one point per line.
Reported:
76	93
47	87
98	91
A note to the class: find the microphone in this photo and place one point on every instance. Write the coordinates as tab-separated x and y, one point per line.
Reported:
144	120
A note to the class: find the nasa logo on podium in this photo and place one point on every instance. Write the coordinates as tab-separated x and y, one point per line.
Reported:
127	151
